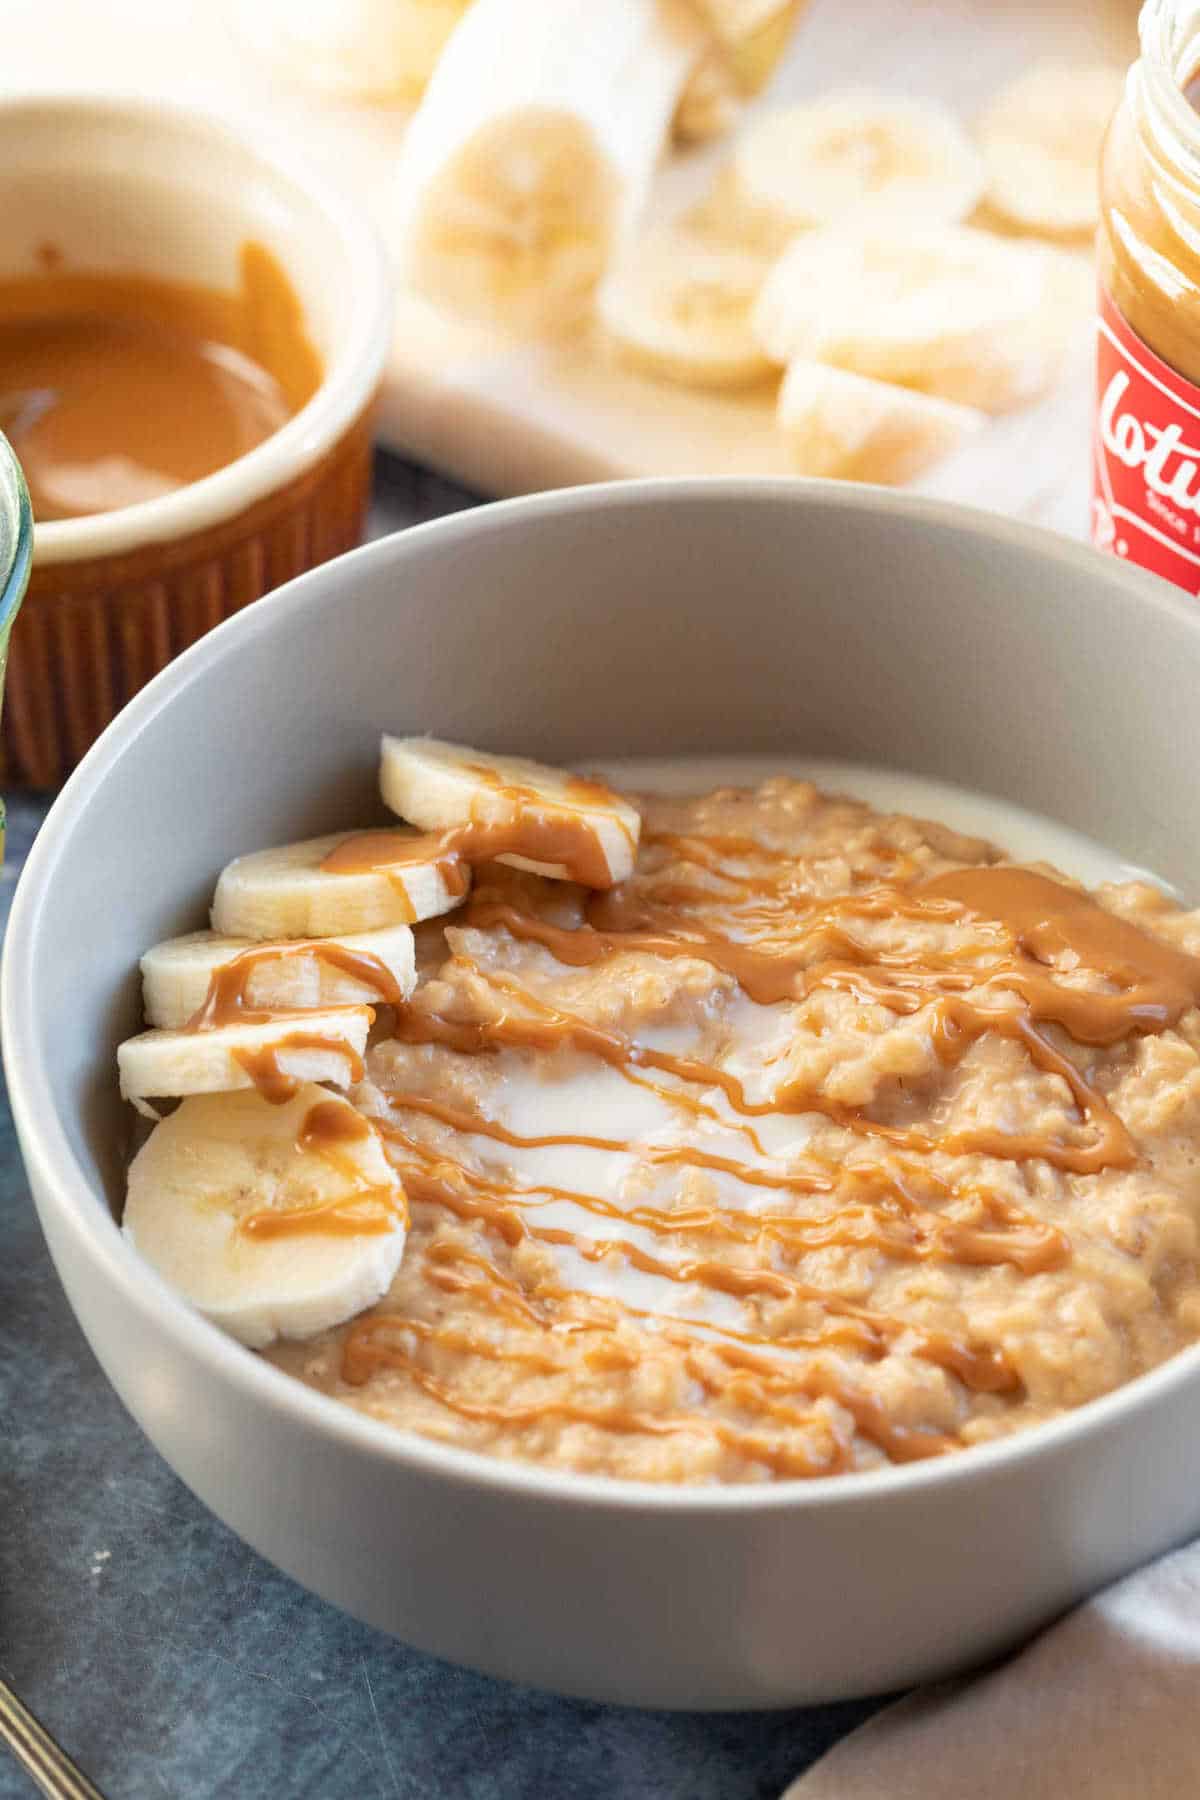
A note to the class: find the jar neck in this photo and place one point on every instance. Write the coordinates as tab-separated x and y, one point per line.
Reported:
1169	33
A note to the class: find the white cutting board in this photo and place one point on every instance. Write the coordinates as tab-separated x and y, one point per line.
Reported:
507	418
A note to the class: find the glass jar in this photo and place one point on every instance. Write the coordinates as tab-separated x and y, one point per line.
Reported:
16	554
1146	450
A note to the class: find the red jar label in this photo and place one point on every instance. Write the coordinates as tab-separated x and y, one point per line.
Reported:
1145	456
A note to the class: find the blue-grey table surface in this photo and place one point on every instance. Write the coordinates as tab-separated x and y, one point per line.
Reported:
171	1660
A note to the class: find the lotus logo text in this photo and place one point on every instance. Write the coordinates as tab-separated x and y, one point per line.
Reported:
1169	464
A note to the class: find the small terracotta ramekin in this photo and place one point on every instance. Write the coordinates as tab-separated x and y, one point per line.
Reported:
150	187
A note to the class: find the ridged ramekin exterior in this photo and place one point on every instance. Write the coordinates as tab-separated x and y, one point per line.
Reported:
91	633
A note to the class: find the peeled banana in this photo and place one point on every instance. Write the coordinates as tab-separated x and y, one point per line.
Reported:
531	154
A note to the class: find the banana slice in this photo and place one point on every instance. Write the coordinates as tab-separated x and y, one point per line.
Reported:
533	150
679	307
357	969
750	36
1020	364
272	1055
850	157
862	430
217	1203
947	309
516	811
1041	140
286	893
370	49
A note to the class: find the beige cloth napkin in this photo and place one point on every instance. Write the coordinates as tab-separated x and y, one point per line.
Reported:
1105	1705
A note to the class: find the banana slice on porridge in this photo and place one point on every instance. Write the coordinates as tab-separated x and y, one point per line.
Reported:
508	807
274	1221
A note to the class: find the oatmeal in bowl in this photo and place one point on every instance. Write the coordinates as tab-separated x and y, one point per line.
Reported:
691	1133
1042	701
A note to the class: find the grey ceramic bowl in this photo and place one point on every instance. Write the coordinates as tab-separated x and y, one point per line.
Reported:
650	618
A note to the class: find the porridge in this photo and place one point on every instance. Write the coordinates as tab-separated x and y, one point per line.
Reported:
743	1134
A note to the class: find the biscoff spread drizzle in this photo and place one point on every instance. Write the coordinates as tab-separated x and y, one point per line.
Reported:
372	1212
1151	983
227	1002
1044	966
328	1126
1040	964
227	999
525	824
273	1081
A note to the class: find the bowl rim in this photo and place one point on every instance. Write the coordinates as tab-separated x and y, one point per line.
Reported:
350	375
62	1186
14	575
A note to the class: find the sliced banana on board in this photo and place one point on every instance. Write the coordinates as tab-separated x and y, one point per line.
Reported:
854	156
1041	140
353	969
839	424
274	1221
947	309
272	1055
533	150
678	307
539	818
288	893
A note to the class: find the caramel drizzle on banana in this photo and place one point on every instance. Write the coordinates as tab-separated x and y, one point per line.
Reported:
227	1001
370	1212
228	996
327	1126
367	1211
273	1081
529	826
